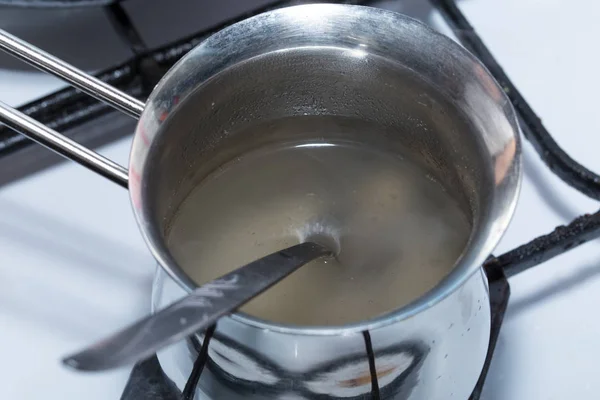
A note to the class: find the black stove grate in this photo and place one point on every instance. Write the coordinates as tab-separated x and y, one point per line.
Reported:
69	108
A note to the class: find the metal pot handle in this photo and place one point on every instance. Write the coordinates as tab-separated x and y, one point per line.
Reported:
79	79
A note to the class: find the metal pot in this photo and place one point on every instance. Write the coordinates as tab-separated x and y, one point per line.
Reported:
343	61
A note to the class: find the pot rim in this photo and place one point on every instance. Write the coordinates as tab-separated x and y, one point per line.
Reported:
475	253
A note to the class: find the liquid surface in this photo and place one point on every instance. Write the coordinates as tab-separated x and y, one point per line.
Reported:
398	231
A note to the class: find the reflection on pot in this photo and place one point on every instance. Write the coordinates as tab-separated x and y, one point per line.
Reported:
243	371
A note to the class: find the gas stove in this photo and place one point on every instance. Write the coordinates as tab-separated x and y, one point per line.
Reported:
74	267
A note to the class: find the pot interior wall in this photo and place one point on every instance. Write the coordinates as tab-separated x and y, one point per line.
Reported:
347	94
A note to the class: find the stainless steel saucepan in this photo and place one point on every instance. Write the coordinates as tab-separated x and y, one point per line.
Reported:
312	60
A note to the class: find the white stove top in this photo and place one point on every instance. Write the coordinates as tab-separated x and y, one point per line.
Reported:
73	267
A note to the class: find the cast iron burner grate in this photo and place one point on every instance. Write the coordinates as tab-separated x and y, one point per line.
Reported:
69	108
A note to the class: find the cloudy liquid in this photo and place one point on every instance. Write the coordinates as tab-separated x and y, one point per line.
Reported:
399	232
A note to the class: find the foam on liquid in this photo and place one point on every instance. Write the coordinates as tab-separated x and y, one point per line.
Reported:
398	230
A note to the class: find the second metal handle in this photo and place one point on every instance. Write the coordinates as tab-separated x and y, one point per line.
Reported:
86	83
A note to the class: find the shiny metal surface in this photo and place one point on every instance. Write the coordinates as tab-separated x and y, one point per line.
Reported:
62	145
196	311
437	354
349	61
266	67
88	84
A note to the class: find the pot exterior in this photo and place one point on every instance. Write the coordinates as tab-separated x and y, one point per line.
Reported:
435	354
